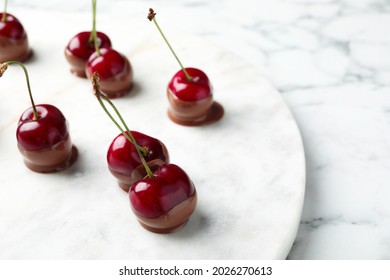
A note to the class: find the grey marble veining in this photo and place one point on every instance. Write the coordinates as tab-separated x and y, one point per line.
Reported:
330	59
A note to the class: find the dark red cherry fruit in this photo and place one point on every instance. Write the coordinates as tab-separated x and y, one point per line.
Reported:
194	90
115	72
80	48
191	101
45	142
13	40
165	202
124	162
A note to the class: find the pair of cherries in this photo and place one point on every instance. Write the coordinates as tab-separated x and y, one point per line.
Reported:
87	52
91	51
162	200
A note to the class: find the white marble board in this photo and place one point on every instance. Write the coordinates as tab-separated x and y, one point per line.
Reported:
248	169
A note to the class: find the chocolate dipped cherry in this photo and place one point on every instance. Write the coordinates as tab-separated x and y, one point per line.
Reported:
190	93
43	136
124	162
191	100
83	45
163	203
114	69
13	38
80	48
164	200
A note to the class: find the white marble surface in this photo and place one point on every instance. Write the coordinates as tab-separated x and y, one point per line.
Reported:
330	61
248	169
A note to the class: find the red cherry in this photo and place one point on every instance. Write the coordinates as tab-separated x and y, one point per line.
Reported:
107	64
81	47
189	93
45	142
191	90
12	28
50	128
125	163
154	197
42	134
191	100
13	39
114	70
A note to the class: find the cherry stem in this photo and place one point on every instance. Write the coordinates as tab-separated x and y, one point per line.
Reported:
4	67
4	17
152	17
141	151
93	37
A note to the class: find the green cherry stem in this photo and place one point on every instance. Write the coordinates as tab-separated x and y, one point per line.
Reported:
141	151
152	17
4	17
100	96
93	37
4	67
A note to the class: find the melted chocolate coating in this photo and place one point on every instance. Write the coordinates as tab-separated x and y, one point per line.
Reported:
14	49
194	113
176	218
53	159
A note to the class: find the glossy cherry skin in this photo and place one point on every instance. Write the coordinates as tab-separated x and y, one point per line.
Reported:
13	40
154	197
107	64
115	72
50	128
197	89
124	162
12	28
80	48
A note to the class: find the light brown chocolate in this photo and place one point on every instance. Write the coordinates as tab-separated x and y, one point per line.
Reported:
53	159
125	181
176	218
193	113
77	65
11	49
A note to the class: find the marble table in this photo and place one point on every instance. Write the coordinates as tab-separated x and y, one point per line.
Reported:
329	59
